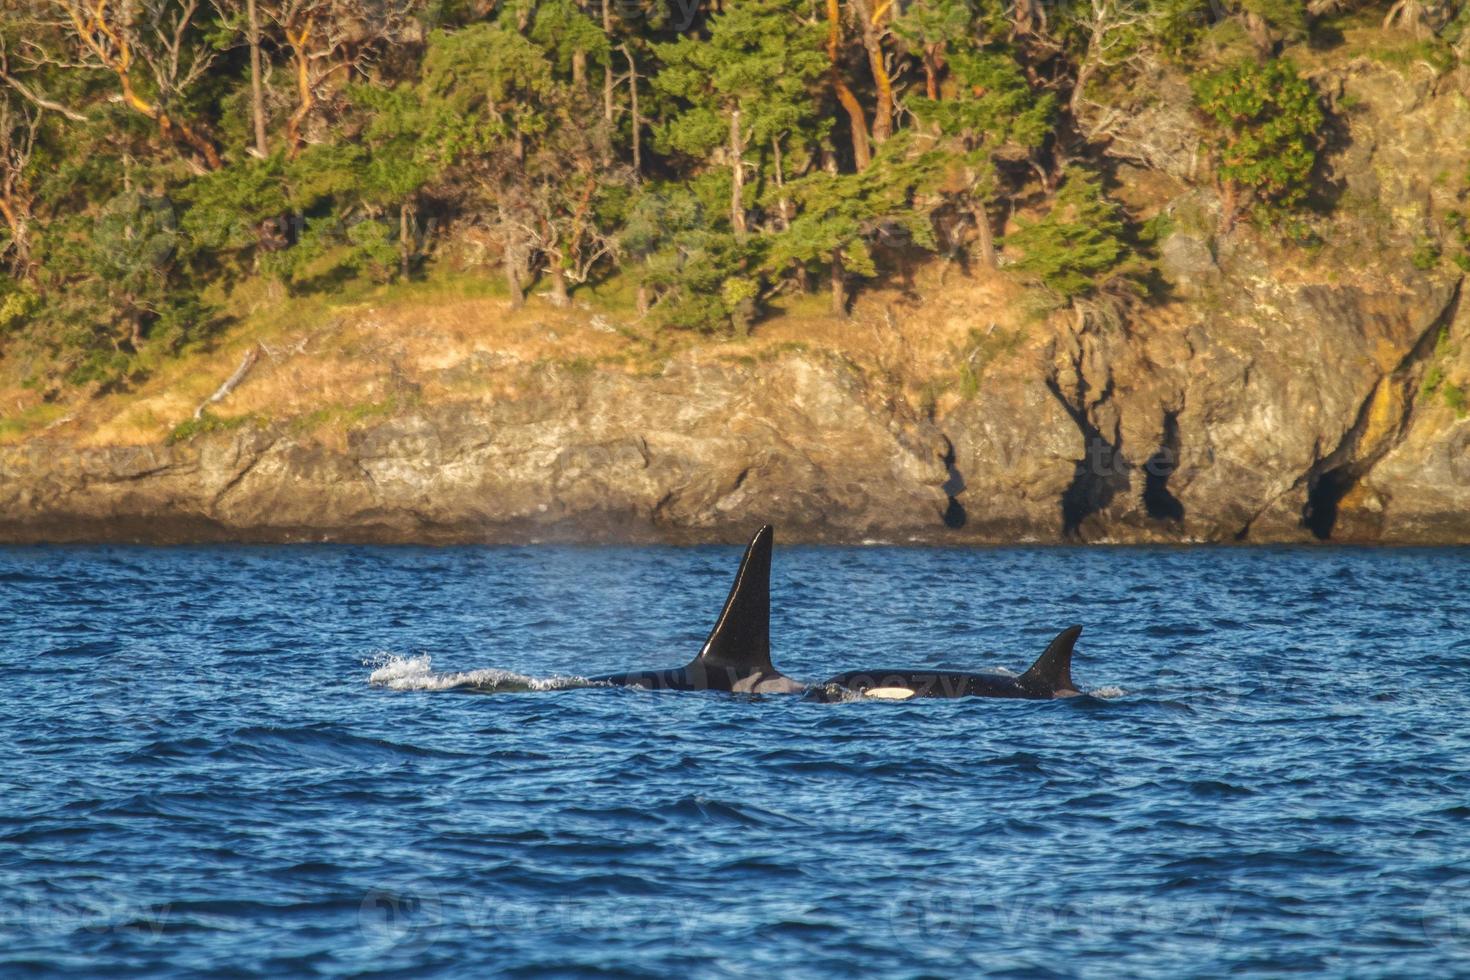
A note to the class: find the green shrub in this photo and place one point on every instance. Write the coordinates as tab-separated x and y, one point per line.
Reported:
1268	133
1454	397
1425	255
1082	238
205	423
17	305
1433	378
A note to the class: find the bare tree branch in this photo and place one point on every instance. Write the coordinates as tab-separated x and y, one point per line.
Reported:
230	383
117	35
30	94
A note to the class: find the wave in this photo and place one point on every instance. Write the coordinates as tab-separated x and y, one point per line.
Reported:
416	673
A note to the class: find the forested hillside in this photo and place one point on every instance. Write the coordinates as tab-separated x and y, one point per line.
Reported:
1107	270
157	153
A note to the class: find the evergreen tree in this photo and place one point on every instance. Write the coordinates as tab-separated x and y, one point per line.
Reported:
1269	122
993	107
398	166
528	144
841	214
751	82
235	216
689	273
1081	239
933	27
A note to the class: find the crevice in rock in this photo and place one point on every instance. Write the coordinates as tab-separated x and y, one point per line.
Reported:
1158	501
1102	472
955	516
367	473
1324	493
1334	475
1099	477
239	476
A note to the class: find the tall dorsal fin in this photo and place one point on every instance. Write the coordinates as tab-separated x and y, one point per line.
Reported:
741	639
1052	671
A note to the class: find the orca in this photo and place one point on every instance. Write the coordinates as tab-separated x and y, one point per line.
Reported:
1049	677
737	655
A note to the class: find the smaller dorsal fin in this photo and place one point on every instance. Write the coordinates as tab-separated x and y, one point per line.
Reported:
1052	671
741	639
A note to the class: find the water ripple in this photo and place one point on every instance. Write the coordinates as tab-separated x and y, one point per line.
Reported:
262	762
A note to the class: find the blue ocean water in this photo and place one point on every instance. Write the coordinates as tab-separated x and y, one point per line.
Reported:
256	762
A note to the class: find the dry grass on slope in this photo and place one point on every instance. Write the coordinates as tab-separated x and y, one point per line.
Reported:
329	363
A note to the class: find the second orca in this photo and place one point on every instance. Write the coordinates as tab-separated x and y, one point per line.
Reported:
1049	677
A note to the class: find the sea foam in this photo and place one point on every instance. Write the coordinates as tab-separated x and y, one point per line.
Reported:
416	673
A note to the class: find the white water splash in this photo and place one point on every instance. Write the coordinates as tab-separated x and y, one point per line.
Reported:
837	694
1108	691
417	674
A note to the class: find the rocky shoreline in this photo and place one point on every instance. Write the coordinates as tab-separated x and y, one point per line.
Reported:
705	450
1270	396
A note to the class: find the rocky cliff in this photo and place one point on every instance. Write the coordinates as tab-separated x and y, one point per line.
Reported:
702	448
1273	393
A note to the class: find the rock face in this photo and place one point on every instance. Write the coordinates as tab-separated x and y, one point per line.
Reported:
1279	424
1266	402
1266	399
700	451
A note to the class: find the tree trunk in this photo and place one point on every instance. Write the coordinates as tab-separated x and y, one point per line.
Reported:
579	70
405	240
883	103
931	73
16	219
985	236
637	121
199	142
1085	71
857	124
642	300
740	320
862	153
607	68
839	287
232	382
737	176
783	204
511	265
257	85
1229	206
305	96
560	295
